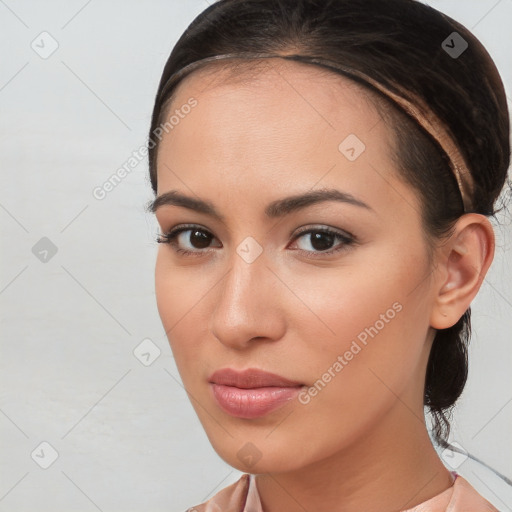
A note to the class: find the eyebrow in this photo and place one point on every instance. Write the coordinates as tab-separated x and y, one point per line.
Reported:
275	209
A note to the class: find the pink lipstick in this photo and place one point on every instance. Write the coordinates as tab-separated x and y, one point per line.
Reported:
251	393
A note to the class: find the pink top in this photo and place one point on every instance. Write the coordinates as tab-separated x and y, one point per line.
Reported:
242	496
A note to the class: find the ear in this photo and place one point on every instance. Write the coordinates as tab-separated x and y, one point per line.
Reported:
461	265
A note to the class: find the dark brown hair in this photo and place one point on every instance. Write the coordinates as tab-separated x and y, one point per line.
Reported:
391	41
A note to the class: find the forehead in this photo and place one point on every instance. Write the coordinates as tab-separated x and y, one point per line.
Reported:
274	128
273	100
277	132
269	110
302	78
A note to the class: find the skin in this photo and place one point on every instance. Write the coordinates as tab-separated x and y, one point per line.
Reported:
361	443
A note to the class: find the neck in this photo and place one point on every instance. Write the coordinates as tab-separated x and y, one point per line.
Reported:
392	467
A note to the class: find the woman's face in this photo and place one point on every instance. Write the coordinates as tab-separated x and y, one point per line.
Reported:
343	313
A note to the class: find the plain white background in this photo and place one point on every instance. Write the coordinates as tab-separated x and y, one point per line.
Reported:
125	435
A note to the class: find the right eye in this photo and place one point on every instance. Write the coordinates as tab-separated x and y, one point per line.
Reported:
196	237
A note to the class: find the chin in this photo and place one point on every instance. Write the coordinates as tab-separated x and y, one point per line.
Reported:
258	456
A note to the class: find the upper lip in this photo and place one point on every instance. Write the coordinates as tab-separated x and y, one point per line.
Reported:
250	378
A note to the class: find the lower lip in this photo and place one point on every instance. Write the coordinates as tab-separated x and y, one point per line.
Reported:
252	403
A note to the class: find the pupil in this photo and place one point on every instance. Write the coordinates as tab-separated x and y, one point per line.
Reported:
201	239
316	241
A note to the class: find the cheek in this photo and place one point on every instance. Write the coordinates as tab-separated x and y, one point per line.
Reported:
370	296
369	331
178	298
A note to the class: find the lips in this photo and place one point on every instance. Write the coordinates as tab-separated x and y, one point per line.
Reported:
251	393
250	378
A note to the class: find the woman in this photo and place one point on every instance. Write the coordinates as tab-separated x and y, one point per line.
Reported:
324	172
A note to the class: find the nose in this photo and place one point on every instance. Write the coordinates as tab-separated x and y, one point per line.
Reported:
250	305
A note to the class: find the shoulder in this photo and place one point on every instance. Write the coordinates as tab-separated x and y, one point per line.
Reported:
466	497
230	499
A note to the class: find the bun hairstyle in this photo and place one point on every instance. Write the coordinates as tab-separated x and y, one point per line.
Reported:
398	46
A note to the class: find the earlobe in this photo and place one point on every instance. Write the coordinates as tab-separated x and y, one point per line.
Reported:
463	262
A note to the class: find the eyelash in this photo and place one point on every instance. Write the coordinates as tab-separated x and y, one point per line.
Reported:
170	238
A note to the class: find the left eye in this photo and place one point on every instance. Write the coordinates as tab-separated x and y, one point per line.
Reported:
320	240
